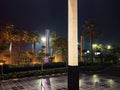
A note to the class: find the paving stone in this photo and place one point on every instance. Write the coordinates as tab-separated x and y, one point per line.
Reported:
15	88
20	87
60	83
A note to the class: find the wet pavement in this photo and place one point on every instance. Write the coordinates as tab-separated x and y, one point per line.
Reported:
86	82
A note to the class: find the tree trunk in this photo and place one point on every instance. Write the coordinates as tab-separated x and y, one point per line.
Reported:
10	50
34	47
81	48
91	49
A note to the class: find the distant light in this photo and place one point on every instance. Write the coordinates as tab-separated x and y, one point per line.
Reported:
80	82
43	39
110	81
85	53
109	47
94	76
94	46
1	63
95	80
88	51
97	53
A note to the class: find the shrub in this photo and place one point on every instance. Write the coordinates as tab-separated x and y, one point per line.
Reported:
33	73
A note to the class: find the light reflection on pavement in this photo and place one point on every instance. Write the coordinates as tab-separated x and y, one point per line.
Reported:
86	82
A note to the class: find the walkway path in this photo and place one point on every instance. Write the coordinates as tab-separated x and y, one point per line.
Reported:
86	82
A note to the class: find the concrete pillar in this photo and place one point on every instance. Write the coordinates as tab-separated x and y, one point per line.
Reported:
73	73
47	46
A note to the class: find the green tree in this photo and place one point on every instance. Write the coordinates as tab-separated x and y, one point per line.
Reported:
9	36
2	61
30	55
16	39
2	48
33	38
41	56
54	37
60	46
90	30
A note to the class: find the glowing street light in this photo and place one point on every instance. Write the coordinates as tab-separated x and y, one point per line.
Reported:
94	46
109	47
88	51
43	39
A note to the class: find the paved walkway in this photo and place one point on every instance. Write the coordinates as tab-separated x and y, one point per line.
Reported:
86	82
48	83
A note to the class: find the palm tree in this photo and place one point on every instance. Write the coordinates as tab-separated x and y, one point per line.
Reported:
60	46
2	48
90	30
15	37
31	37
34	37
19	43
41	56
9	36
30	55
54	36
2	37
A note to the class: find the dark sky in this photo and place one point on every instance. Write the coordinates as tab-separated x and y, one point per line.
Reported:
39	15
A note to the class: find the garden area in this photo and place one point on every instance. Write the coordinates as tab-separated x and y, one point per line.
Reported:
14	72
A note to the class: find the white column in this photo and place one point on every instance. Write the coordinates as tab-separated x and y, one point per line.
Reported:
47	41
47	45
72	33
73	72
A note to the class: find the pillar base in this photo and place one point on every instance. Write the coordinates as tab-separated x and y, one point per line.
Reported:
73	78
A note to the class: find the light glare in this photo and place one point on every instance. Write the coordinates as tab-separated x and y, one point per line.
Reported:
43	39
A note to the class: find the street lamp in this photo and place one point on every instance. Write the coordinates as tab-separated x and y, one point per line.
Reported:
109	47
43	39
46	41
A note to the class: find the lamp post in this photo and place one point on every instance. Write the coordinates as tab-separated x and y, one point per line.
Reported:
43	51
46	40
43	39
73	72
47	48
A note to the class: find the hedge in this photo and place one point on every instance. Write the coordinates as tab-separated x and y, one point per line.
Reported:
33	73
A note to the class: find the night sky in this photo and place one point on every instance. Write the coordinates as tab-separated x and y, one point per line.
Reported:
39	15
